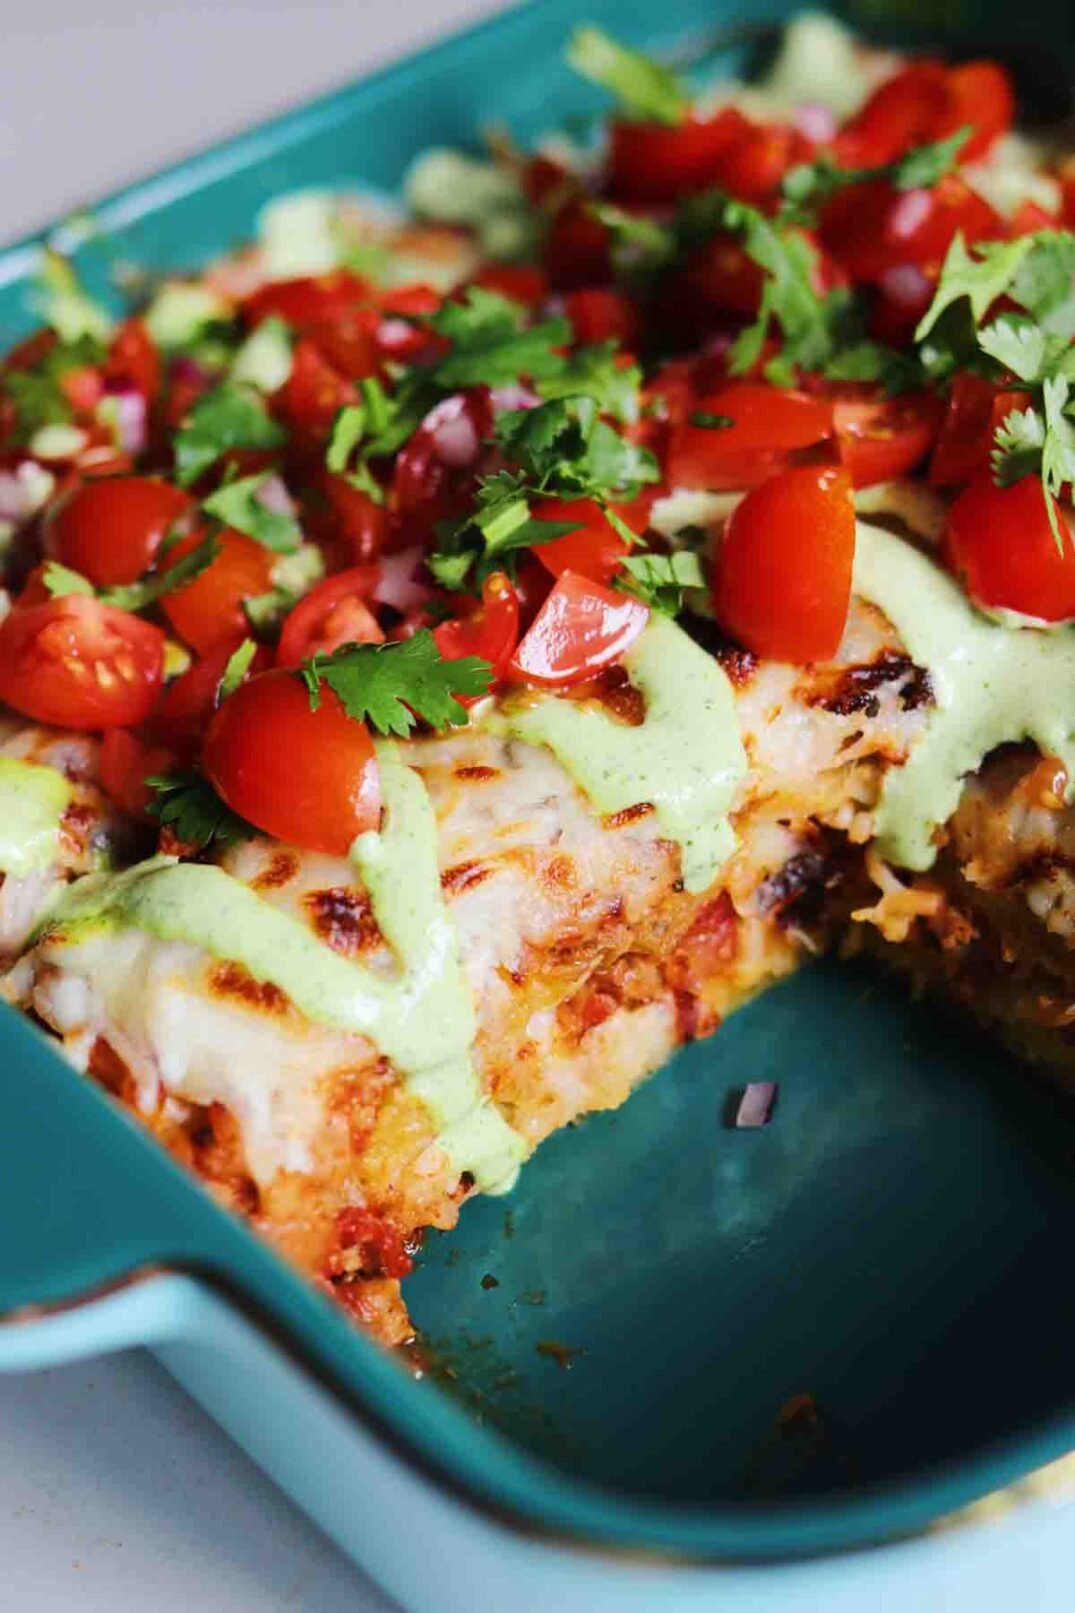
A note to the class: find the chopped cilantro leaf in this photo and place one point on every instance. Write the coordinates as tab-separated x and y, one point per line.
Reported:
812	183
644	88
187	804
981	279
566	450
597	372
37	395
230	416
708	421
347	431
240	504
1017	446
61	580
391	686
491	343
660	579
238	665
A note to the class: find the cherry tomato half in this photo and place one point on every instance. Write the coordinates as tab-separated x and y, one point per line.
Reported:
581	628
184	709
333	613
884	438
308	777
782	571
999	541
490	631
208	612
769	428
593	550
110	530
77	663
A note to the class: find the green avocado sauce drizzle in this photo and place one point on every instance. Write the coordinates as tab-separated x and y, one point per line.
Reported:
33	800
685	758
421	1017
992	684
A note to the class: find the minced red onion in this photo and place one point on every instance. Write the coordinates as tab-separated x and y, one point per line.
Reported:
455	436
397	584
906	285
129	418
815	120
505	398
909	213
394	333
273	495
756	1105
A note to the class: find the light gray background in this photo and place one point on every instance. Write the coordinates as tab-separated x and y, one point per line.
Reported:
116	1492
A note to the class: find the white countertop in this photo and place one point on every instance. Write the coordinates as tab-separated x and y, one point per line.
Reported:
116	1491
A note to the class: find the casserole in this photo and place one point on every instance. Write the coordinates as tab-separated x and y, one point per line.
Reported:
192	1238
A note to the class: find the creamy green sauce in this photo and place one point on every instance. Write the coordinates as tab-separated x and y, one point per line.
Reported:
420	1015
992	684
685	758
33	800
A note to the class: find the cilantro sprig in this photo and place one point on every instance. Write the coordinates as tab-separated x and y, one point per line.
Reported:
232	415
187	805
662	579
242	504
392	686
644	88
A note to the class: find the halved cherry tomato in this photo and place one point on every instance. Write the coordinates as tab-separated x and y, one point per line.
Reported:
602	314
999	541
308	300
770	428
581	628
912	107
124	763
654	162
208	612
110	530
308	777
79	664
782	571
133	359
975	409
884	438
314	392
333	613
577	249
184	708
490	630
593	550
874	227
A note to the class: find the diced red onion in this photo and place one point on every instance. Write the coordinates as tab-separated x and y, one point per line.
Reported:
505	398
128	411
455	436
906	285
394	333
756	1105
909	213
273	495
397	584
816	121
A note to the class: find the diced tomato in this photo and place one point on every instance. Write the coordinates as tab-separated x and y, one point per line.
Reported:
872	227
314	392
351	344
984	99
184	709
581	628
998	540
414	301
133	359
911	108
208	611
770	428
307	776
577	250
525	283
782	571
975	409
110	530
345	519
602	314
752	165
1028	218
335	612
434	472
594	550
83	387
125	763
490	630
76	663
882	438
308	300
658	163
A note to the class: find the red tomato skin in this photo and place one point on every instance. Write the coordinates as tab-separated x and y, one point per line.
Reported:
594	550
307	777
983	97
426	486
332	613
912	107
313	394
882	439
125	762
577	250
999	542
581	628
523	282
345	520
771	428
752	166
133	358
110	530
602	314
187	702
75	663
490	631
658	163
308	299
975	409
208	612
782	572
872	227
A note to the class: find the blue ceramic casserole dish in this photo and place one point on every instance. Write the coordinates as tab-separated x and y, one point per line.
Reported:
602	1426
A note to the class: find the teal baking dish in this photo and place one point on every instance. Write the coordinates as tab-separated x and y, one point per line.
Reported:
680	1366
